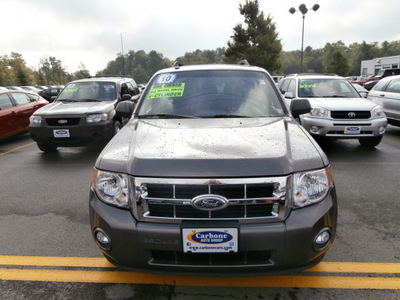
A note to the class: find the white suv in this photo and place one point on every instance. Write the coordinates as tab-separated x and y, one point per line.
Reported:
338	111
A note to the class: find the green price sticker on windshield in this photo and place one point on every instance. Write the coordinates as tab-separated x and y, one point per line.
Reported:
307	85
167	90
74	89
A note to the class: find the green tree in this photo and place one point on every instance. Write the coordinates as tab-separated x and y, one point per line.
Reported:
138	64
338	64
140	75
53	71
202	57
20	73
258	42
82	72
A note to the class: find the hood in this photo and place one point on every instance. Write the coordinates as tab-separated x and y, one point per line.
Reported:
342	103
204	148
75	108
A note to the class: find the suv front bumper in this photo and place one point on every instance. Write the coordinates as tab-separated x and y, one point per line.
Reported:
263	248
82	134
336	128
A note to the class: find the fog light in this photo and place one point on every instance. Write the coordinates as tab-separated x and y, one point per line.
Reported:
381	129
314	129
102	239
322	239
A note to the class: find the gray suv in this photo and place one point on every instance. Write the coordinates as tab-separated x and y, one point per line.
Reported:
212	174
83	113
338	111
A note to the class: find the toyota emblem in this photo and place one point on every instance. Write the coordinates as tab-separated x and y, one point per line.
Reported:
351	114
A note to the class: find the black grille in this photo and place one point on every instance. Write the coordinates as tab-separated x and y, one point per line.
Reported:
231	191
232	211
198	259
173	201
70	122
351	114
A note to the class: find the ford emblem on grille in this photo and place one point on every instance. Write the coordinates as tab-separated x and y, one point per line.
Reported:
209	202
62	121
351	114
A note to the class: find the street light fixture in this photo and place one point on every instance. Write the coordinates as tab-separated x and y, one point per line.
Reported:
303	9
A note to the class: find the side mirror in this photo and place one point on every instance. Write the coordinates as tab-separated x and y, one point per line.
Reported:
126	97
135	98
299	107
52	98
125	109
288	95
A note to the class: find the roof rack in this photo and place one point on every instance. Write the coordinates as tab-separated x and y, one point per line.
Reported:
100	76
243	62
313	74
177	64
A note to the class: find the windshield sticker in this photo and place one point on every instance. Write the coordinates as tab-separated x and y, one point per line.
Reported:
166	90
305	85
70	89
165	78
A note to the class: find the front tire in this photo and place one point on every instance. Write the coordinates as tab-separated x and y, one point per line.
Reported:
370	142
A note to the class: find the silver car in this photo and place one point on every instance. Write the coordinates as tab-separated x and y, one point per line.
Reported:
338	111
386	93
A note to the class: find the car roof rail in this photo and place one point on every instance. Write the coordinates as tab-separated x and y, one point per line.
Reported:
177	64
100	76
243	62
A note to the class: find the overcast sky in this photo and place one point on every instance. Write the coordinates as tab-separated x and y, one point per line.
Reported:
89	31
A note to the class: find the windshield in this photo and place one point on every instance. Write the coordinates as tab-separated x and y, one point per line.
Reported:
326	88
88	91
211	94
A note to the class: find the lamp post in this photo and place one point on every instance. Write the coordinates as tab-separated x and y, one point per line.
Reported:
303	9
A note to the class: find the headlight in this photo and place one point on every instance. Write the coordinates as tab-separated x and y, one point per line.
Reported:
319	112
112	188
377	112
311	187
96	118
35	119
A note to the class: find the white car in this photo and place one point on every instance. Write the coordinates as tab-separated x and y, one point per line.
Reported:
338	111
386	93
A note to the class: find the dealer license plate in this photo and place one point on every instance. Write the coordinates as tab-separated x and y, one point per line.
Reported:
61	133
352	130
210	240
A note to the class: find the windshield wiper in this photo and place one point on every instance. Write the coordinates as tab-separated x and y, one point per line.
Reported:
167	116
334	96
226	116
67	100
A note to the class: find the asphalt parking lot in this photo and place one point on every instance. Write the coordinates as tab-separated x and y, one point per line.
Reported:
47	250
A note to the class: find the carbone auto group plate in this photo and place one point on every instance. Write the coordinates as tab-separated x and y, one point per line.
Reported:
210	240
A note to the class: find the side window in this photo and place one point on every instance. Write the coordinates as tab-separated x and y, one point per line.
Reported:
130	89
393	86
33	97
284	86
381	86
292	87
5	102
21	99
124	89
